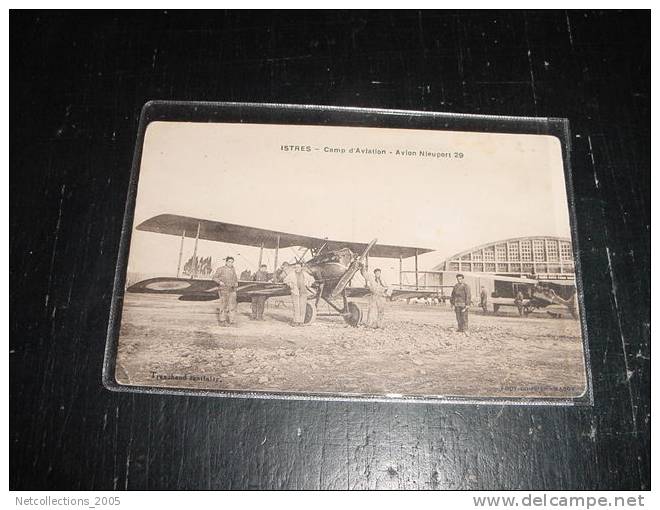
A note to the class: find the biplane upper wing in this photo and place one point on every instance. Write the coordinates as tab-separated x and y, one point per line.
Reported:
206	290
210	230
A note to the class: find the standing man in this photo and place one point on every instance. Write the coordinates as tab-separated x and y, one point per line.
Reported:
519	302
483	299
259	302
225	277
377	295
297	280
461	299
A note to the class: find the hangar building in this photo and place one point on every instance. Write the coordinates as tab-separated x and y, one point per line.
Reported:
545	257
540	257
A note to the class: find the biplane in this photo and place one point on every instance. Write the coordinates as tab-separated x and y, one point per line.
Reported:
332	264
548	295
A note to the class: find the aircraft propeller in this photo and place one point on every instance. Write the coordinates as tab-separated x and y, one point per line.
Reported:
352	269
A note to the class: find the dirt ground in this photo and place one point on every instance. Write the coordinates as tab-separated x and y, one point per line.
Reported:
170	343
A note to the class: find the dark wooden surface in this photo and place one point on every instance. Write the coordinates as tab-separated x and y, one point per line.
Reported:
77	85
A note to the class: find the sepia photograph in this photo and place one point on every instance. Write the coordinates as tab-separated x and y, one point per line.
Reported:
351	262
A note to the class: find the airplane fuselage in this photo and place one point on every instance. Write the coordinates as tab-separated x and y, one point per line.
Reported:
328	268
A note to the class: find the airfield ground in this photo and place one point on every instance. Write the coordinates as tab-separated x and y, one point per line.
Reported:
166	342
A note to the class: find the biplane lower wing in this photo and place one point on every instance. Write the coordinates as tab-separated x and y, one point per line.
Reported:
488	276
357	292
206	290
503	301
411	294
167	285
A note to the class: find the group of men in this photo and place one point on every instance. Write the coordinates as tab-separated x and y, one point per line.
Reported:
300	282
294	276
227	280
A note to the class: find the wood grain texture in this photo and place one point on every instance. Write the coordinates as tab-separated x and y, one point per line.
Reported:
78	82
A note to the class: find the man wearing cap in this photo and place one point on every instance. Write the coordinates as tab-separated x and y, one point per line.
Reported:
461	299
377	295
259	302
225	277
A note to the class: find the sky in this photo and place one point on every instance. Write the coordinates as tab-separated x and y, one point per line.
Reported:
503	185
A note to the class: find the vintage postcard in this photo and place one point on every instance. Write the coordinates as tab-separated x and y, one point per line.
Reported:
351	262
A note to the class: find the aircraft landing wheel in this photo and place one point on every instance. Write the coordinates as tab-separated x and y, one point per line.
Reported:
310	312
354	315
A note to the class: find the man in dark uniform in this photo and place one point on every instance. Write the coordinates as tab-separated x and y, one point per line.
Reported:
225	277
259	302
461	299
